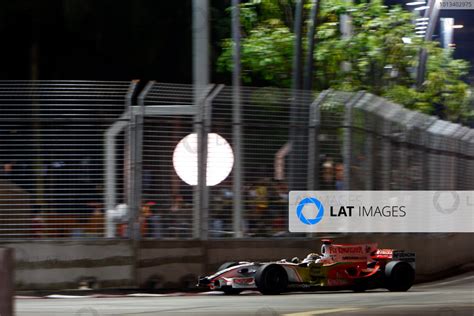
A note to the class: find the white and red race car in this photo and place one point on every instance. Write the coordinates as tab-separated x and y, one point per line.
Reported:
339	266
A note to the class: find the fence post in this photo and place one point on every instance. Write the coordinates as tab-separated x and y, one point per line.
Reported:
314	125
200	94
202	125
135	140
236	124
6	281
369	152
347	141
370	108
135	133
386	155
468	145
202	171
470	177
425	182
237	173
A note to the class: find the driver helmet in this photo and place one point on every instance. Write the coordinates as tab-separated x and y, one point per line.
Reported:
312	257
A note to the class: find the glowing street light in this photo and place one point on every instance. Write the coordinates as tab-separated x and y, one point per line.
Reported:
416	3
458	26
220	159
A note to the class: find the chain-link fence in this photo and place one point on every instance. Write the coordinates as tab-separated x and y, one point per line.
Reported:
52	140
98	159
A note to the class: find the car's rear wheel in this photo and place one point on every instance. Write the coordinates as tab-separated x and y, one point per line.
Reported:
271	279
360	285
399	276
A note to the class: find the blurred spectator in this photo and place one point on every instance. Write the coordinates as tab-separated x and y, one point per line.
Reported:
7	170
39	225
328	175
339	175
279	208
146	224
259	201
96	225
172	221
221	214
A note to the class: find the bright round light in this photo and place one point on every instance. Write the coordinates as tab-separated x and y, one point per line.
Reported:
220	159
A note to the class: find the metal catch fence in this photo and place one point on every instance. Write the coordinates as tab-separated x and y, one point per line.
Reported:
52	149
108	160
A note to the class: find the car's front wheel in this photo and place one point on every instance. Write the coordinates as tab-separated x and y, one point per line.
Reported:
271	279
229	290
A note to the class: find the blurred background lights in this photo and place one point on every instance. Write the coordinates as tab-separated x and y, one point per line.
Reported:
220	159
422	8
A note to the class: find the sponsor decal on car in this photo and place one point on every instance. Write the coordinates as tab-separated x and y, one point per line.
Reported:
343	253
243	282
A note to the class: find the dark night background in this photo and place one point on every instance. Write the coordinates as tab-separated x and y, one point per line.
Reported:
125	39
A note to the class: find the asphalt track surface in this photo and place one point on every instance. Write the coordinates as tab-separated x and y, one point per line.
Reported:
449	297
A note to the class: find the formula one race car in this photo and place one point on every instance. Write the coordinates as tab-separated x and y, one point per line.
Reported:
358	267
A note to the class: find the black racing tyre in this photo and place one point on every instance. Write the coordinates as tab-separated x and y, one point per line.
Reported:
228	290
271	279
227	265
360	285
399	276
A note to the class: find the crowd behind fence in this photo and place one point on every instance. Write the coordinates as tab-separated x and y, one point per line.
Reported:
84	159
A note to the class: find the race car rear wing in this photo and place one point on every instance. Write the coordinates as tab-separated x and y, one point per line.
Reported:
395	255
401	255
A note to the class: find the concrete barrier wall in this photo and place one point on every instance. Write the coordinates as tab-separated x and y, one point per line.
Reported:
63	264
177	264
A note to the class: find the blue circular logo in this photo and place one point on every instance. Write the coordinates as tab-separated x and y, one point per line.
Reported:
310	221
